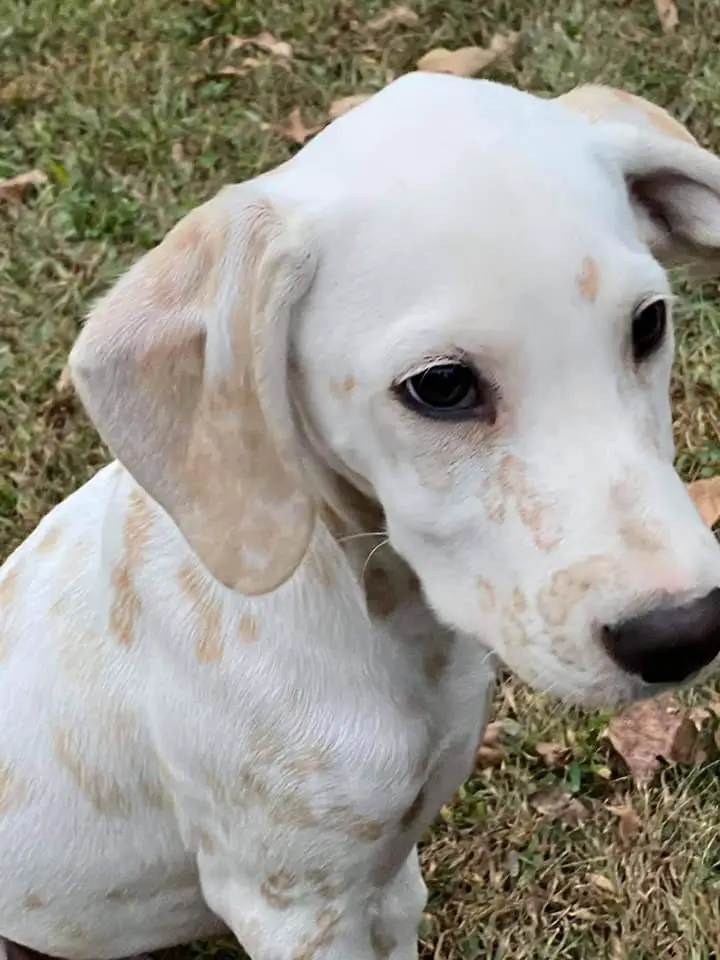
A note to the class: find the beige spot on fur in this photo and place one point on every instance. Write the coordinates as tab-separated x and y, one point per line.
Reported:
588	280
13	789
69	937
199	590
493	501
312	946
248	628
155	794
557	599
514	632
322	883
33	902
187	263
344	387
641	536
8	588
408	819
519	600
98	787
535	513
354	825
486	594
383	943
8	593
50	540
625	494
277	889
125	608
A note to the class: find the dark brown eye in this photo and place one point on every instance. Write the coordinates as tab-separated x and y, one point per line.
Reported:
648	329
445	389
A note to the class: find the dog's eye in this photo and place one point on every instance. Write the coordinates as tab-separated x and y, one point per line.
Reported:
648	329
445	389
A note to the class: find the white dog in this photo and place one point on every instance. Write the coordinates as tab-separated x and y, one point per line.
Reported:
386	413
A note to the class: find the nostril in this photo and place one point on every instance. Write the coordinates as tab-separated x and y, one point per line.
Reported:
668	644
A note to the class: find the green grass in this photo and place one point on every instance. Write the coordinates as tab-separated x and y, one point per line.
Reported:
134	122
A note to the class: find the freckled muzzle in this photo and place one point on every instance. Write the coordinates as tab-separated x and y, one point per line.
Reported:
670	643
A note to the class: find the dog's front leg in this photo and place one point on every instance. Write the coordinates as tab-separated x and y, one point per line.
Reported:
400	906
14	951
298	924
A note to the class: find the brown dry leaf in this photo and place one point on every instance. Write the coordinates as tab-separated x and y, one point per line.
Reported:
468	61
401	16
705	494
556	804
650	731
13	189
603	883
490	753
493	732
64	381
264	40
629	823
553	754
294	129
346	104
489	756
667	12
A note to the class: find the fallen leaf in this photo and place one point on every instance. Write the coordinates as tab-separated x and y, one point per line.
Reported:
178	153
705	494
667	12
294	129
629	823
264	40
553	754
493	732
603	883
64	381
557	804
489	752
401	16
468	61
346	104
14	188
489	756
650	731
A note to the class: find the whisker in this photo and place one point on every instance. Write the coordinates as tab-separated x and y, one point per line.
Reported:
369	557
355	536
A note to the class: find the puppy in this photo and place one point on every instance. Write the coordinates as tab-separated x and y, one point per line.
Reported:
382	417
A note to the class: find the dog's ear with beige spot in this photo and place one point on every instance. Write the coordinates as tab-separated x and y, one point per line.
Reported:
183	368
673	183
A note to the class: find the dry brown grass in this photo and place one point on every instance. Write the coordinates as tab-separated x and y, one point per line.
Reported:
134	122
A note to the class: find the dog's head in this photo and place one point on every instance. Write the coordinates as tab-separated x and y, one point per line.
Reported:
452	299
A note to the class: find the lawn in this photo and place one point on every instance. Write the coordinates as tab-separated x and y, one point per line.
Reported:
137	110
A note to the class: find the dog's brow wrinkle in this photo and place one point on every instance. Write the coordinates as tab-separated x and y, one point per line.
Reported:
588	279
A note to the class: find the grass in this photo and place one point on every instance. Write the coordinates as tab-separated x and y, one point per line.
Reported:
134	121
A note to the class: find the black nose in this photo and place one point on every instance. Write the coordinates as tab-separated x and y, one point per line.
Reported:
668	644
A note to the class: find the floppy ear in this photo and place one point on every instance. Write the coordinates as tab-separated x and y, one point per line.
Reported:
183	369
673	183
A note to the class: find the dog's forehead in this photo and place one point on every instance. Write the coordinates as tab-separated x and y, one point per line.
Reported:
436	172
454	144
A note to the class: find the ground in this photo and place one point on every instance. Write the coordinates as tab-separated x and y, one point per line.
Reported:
131	111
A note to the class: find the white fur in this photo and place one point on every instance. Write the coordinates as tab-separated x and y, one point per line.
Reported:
252	762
